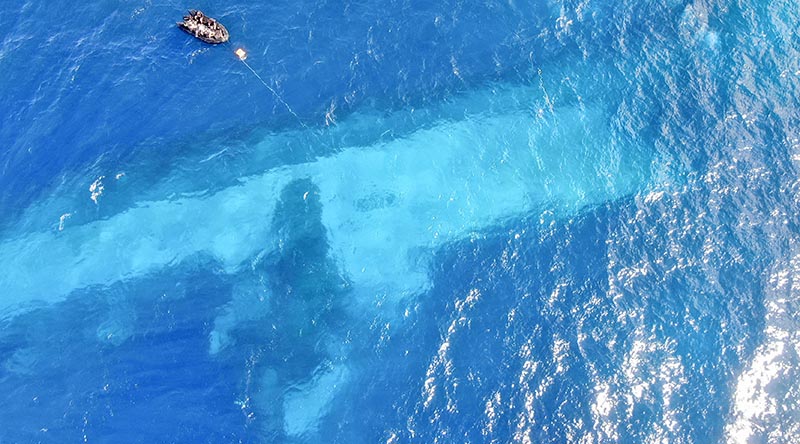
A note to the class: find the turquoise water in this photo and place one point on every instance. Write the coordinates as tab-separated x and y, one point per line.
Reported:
452	222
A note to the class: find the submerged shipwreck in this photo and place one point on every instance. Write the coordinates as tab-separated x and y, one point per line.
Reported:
204	28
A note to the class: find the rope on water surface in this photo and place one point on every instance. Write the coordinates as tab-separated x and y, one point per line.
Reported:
272	90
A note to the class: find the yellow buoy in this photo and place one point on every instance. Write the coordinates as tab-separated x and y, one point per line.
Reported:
241	53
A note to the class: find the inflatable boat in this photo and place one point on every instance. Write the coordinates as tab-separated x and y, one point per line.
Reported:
204	28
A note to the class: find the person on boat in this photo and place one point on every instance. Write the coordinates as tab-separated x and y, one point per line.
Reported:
203	27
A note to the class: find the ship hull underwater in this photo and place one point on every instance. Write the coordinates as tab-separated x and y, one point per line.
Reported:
385	208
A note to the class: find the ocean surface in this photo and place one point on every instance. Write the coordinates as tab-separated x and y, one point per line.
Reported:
404	221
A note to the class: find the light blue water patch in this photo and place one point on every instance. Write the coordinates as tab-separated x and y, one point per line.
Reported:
384	204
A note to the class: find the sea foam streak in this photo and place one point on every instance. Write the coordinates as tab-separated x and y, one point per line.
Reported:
385	205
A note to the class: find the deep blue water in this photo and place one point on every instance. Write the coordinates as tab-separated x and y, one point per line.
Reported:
452	222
